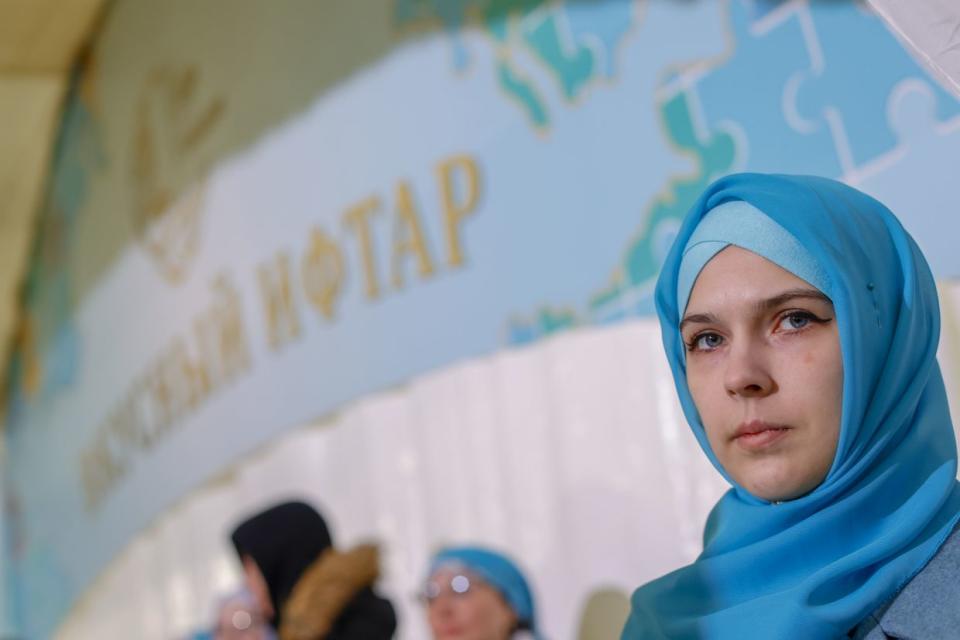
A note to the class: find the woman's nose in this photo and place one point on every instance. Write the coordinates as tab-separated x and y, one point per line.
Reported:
747	374
442	606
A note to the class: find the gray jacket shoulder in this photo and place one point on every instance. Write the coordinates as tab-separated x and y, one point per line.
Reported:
928	607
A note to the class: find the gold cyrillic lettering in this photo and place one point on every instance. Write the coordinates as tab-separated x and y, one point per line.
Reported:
454	209
408	238
100	470
283	319
192	377
323	272
358	218
233	349
161	402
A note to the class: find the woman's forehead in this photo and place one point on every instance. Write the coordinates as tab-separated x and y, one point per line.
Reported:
447	571
738	278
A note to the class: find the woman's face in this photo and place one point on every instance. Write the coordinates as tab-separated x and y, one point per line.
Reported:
461	606
238	620
765	372
257	586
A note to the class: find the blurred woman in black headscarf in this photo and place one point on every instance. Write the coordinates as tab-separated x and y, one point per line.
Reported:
306	588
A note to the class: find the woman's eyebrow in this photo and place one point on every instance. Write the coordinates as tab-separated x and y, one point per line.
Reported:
792	294
698	318
761	306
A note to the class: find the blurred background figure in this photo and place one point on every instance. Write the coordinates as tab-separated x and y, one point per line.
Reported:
478	594
237	618
307	589
604	614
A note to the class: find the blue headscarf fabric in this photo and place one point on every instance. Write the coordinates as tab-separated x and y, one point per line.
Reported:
742	224
500	573
816	566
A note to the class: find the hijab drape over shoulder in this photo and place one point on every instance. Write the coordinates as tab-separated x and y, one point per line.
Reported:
814	567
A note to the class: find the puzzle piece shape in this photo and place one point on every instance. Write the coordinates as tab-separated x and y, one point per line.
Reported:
917	181
713	156
847	94
570	63
747	90
576	45
575	56
523	92
603	31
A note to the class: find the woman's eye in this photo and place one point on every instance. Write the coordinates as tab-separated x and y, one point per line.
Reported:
706	342
795	321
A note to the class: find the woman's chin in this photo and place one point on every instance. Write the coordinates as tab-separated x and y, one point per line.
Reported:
777	489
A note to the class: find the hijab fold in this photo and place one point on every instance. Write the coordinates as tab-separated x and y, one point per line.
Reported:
816	566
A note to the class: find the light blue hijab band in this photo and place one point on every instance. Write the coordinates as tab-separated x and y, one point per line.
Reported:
741	224
500	573
817	566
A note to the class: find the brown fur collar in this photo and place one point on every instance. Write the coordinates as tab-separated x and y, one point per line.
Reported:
325	589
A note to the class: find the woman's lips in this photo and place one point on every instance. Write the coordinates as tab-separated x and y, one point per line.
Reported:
450	631
757	435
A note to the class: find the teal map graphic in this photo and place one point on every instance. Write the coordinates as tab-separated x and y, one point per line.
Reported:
789	95
574	42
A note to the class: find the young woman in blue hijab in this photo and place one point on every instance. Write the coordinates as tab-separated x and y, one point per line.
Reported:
801	324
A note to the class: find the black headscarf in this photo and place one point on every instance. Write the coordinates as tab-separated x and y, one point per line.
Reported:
283	540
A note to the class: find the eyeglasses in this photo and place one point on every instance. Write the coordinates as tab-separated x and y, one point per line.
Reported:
457	585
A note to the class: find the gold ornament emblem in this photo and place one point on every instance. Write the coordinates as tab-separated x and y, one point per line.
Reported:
169	167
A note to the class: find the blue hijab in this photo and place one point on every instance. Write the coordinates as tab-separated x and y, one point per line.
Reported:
816	566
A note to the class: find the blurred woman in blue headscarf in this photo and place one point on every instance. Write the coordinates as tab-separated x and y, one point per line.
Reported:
474	593
801	324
